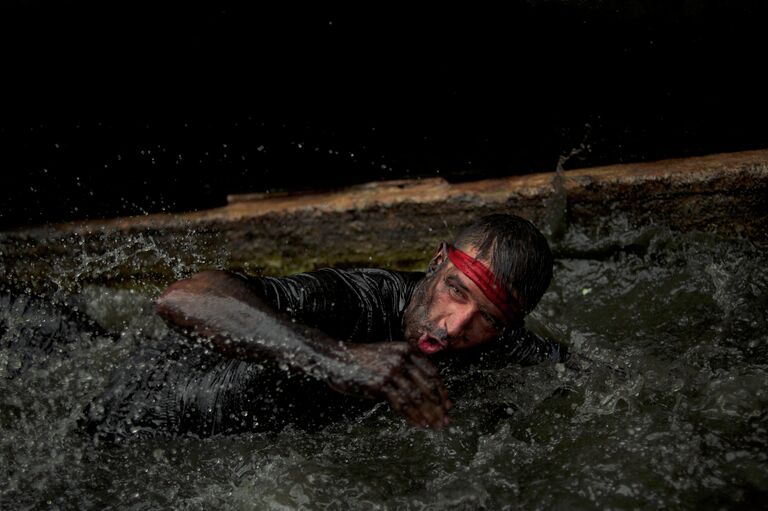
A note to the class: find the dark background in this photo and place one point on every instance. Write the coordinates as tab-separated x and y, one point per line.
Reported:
136	107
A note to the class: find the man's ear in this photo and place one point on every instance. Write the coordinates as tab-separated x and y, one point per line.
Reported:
438	258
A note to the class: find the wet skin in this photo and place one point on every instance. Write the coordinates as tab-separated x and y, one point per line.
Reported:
447	312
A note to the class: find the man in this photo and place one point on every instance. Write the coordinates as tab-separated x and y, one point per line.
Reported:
269	346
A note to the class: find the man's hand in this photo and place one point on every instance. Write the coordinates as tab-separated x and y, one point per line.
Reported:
404	377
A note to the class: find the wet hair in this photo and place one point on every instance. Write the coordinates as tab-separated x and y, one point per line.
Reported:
516	251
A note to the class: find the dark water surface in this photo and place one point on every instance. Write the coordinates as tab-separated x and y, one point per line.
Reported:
670	410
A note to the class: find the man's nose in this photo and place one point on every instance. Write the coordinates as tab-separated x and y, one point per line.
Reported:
458	321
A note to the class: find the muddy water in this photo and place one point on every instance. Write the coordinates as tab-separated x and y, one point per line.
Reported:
670	408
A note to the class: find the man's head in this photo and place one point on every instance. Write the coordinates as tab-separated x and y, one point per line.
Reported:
494	273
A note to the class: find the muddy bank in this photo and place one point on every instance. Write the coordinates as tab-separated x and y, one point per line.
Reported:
397	223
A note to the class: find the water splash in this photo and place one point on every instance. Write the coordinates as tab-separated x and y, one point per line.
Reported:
556	224
684	426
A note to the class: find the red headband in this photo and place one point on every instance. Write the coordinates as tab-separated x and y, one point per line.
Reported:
484	278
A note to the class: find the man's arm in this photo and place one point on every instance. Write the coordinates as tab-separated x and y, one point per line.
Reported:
223	308
527	348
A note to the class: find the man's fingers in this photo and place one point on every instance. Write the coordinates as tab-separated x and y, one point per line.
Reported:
429	387
425	376
410	391
405	407
425	365
419	400
430	370
436	386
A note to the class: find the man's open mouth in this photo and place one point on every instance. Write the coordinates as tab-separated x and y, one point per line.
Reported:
429	345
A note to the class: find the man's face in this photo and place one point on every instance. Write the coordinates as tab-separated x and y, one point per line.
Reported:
449	312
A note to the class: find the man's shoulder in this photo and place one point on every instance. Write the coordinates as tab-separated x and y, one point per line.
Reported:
378	279
359	272
327	279
384	273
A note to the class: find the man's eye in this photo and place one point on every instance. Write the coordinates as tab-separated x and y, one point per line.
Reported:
455	291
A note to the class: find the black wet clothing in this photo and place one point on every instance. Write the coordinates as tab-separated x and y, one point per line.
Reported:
180	387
